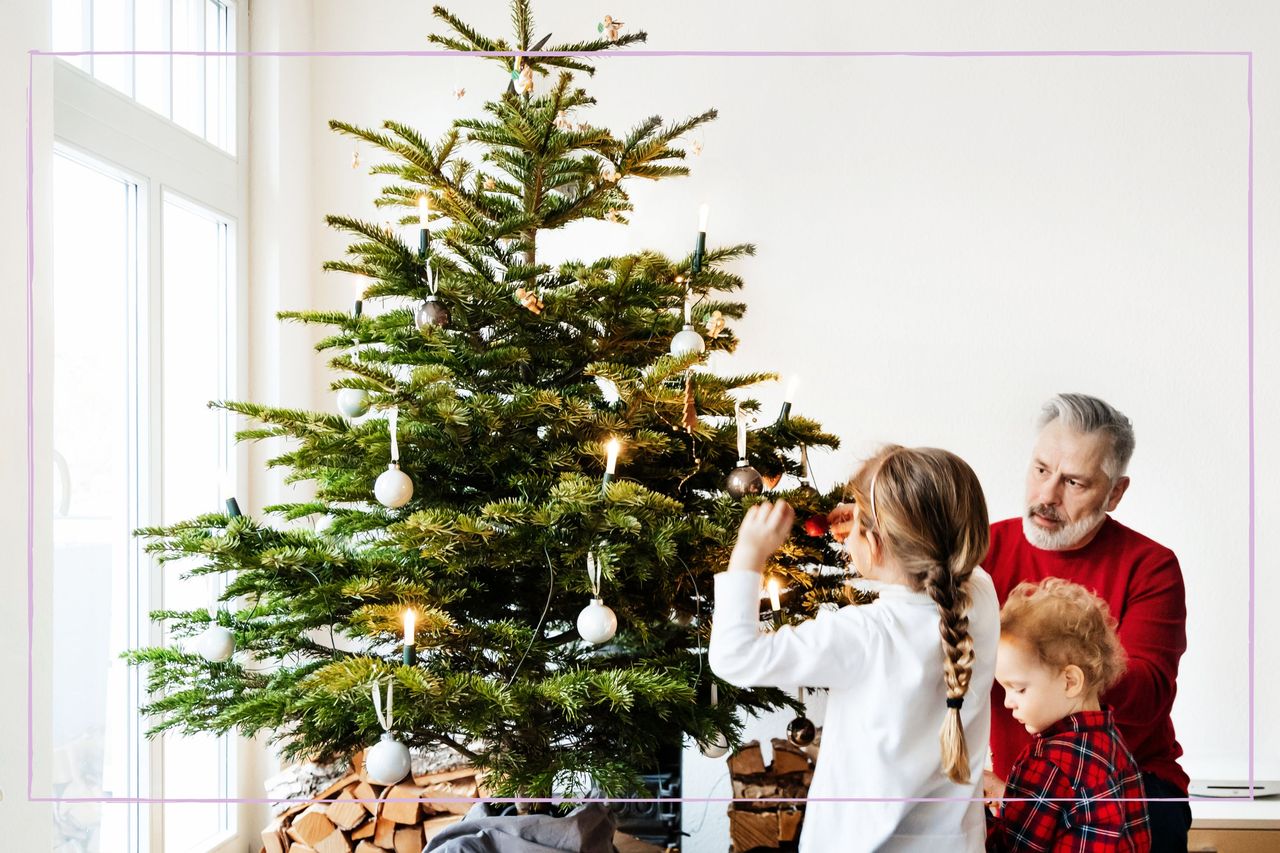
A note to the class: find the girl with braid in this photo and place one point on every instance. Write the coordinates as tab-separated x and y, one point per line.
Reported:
909	675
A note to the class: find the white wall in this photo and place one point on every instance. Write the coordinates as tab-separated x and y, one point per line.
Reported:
945	242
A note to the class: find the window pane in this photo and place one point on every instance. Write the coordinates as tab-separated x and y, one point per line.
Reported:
69	30
194	456
94	278
151	32
188	71
113	30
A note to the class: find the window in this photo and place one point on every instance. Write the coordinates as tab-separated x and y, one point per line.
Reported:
195	92
146	283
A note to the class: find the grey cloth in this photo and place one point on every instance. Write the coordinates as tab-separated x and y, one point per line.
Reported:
587	829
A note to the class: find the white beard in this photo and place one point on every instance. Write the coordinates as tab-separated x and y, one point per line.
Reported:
1065	537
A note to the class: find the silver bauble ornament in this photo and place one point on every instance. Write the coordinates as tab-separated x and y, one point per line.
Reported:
353	402
687	342
744	480
431	313
387	761
716	747
597	623
680	618
393	488
216	644
801	731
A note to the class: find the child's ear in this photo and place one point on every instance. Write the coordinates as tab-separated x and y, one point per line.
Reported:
874	546
1074	677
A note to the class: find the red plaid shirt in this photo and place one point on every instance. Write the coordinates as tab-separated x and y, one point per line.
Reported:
1066	792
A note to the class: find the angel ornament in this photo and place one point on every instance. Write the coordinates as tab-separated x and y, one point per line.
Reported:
696	147
562	121
610	28
529	300
524	81
459	93
608	172
715	324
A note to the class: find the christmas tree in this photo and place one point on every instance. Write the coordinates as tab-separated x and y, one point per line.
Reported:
491	405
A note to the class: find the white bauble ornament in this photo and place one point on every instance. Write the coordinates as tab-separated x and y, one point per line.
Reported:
216	644
687	342
393	488
353	402
597	623
323	523
387	761
717	746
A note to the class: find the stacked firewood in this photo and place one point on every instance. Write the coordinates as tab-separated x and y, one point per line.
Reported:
353	815
757	821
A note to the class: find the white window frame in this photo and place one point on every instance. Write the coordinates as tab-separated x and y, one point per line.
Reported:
102	126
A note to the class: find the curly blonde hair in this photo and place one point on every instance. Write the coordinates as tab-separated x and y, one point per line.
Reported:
1064	624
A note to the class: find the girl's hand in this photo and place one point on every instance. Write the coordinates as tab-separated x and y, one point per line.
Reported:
993	789
764	528
840	520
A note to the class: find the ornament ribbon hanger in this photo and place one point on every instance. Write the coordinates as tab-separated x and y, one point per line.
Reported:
392	418
742	430
594	573
385	720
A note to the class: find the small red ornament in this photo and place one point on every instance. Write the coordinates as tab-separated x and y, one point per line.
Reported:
817	526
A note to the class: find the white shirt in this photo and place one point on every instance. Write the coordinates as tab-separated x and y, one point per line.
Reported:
883	664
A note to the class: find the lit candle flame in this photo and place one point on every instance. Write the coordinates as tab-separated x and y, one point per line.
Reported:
791	389
774	601
410	619
612	447
704	213
424	203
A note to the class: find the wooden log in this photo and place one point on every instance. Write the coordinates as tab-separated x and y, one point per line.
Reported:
384	833
747	760
274	839
335	843
630	844
346	781
368	794
364	830
788	758
432	825
311	826
295	847
444	776
345	812
409	839
789	824
407	812
366	847
749	829
447	791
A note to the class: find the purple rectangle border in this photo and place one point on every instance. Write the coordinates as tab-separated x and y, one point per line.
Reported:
637	54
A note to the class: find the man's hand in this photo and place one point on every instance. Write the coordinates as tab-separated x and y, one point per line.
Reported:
992	789
841	521
765	527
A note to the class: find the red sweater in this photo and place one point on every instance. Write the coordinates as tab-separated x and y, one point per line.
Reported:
1142	584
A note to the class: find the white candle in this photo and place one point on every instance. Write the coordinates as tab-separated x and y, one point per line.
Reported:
410	619
791	389
612	447
704	213
422	211
774	601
